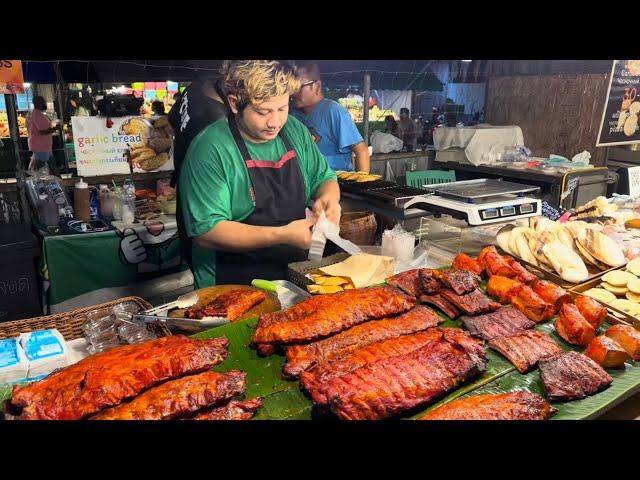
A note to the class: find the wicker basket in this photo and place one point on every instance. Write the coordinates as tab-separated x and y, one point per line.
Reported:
67	323
359	227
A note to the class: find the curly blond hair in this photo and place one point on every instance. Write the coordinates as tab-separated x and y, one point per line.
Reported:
254	81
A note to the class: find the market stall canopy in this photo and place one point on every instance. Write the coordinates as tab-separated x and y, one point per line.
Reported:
385	74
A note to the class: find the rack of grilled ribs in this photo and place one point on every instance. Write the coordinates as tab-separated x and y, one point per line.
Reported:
346	310
524	350
506	321
296	312
430	284
552	293
571	376
465	262
439	302
460	281
234	410
408	282
179	397
519	405
398	384
304	357
106	379
472	303
317	382
232	305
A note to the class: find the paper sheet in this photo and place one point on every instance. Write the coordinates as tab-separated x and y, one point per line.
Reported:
363	270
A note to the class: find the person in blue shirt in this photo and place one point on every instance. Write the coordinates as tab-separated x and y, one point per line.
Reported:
330	123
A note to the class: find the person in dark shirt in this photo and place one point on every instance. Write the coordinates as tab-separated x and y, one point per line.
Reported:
199	106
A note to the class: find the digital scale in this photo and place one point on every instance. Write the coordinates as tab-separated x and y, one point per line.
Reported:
479	202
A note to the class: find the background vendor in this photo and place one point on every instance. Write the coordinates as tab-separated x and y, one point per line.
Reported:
247	178
330	123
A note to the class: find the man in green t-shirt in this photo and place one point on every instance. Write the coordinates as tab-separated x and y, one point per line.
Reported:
247	179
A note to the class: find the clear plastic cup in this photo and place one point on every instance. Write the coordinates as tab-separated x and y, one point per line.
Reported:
97	321
105	335
103	346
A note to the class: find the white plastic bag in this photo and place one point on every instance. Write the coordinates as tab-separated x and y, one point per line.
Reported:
385	143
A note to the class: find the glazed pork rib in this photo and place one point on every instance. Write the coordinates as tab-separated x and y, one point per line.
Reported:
503	322
232	305
520	405
298	311
472	303
397	384
316	381
408	282
460	281
429	283
571	376
304	357
439	302
106	379
346	310
526	349
179	397
234	410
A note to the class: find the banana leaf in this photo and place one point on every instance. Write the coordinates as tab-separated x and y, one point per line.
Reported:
626	382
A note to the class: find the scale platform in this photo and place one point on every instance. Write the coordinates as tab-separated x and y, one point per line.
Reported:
479	202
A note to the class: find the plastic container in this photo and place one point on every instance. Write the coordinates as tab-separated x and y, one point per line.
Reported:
103	346
97	321
81	201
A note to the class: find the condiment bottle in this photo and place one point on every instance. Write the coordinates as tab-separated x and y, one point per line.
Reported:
81	201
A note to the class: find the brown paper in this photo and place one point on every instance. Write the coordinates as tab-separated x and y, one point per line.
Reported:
363	270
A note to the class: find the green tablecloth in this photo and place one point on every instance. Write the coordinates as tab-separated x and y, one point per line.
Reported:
76	266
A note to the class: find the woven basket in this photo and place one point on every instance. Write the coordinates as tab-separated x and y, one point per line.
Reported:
67	323
359	227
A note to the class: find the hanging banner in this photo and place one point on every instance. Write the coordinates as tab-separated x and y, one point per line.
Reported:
11	78
136	143
619	125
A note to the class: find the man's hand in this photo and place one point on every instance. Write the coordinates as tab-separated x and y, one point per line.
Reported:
330	206
297	234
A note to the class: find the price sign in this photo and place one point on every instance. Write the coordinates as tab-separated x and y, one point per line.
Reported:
11	78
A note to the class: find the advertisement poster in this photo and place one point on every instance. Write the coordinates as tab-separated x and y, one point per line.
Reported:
11	78
129	144
619	125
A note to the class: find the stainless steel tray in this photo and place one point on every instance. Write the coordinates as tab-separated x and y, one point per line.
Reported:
470	190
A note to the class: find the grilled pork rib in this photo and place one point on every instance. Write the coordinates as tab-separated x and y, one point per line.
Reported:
304	357
346	310
179	397
520	405
106	379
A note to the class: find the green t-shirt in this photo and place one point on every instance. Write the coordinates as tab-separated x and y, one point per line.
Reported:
214	182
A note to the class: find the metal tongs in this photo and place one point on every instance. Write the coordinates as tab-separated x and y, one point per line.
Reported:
183	301
183	323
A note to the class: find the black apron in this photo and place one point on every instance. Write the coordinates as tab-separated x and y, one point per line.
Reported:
278	194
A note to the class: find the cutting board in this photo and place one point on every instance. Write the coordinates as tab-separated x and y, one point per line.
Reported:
206	295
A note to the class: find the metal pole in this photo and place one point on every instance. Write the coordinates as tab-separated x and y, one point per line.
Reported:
365	114
12	116
58	87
